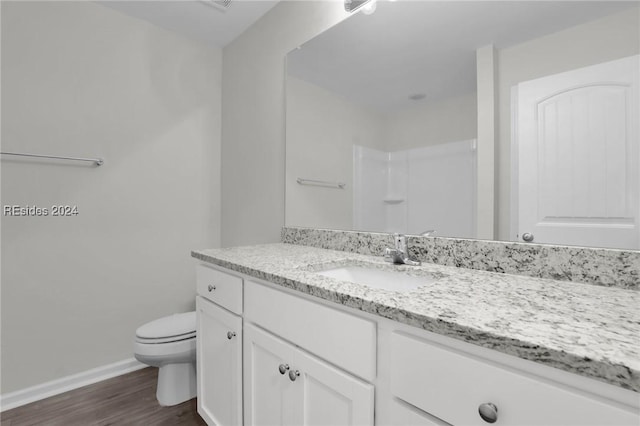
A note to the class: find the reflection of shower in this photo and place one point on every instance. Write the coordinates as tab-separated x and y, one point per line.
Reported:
409	191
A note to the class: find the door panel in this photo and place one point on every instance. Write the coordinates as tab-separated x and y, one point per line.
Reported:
219	364
269	398
331	396
577	135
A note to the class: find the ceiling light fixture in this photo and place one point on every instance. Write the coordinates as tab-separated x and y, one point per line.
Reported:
369	8
353	5
221	5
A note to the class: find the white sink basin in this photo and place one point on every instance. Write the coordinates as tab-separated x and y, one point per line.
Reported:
377	278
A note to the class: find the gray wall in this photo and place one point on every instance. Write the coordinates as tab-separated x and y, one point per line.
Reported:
253	118
322	128
80	79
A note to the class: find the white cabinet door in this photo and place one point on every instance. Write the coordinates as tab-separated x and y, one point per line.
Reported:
219	358
330	396
269	398
310	392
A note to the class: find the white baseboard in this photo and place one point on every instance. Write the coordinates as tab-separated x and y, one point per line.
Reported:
64	384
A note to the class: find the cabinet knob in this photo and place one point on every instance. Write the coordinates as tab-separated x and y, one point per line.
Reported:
282	368
293	375
211	287
231	334
488	412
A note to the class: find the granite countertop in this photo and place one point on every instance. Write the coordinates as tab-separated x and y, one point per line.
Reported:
586	329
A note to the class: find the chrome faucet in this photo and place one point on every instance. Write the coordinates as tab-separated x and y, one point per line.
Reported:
399	254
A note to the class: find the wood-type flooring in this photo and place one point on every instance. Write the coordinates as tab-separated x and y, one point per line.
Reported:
129	399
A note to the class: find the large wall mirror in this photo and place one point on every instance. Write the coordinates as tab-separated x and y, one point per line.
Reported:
382	122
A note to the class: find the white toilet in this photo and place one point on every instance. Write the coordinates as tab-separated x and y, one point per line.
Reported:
170	344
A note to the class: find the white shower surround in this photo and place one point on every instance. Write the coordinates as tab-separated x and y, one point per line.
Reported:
416	190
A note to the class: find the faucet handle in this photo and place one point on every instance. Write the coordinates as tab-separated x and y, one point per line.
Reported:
388	254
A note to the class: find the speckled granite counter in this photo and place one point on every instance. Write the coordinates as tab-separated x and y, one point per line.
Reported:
581	328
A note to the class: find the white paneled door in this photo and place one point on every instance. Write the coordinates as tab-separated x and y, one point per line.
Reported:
219	360
578	157
269	398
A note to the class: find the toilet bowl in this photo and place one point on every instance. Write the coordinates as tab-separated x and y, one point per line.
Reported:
169	343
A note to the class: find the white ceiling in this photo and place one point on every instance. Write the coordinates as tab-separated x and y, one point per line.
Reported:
410	47
196	19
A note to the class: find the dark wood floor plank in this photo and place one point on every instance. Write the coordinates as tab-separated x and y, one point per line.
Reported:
129	399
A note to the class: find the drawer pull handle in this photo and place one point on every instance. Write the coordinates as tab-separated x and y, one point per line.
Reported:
231	335
211	287
293	375
282	368
488	412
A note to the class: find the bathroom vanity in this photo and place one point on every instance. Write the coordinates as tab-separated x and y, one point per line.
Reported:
280	343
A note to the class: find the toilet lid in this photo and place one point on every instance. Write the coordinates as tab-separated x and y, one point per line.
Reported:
171	339
176	325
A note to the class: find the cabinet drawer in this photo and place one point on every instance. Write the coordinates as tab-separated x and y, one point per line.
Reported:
340	338
452	385
220	287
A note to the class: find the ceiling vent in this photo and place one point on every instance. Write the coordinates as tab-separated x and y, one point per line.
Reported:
221	5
